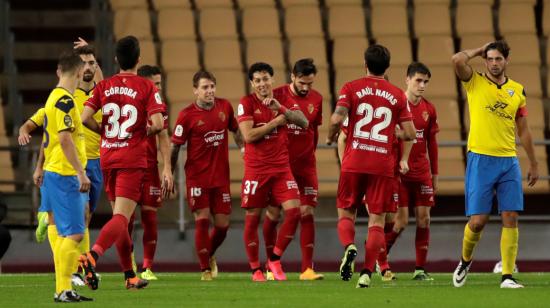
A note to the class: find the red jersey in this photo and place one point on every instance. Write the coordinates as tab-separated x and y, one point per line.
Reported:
425	122
152	143
303	142
205	132
126	101
375	107
270	153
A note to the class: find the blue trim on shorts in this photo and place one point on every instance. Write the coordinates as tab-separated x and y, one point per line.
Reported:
61	194
490	176
93	171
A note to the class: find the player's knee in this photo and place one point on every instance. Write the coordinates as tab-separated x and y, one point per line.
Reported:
476	226
306	210
423	221
510	219
292	214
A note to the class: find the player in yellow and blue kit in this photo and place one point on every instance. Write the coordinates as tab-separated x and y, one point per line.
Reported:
65	185
497	107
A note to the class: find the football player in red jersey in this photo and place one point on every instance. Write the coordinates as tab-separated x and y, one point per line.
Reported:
301	147
374	107
419	184
203	125
151	199
262	117
127	102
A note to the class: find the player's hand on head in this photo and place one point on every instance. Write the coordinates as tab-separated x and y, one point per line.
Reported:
24	139
532	175
79	43
84	182
403	166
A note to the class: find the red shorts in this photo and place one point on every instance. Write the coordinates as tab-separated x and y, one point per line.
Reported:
151	193
127	183
218	199
259	190
377	190
421	193
308	186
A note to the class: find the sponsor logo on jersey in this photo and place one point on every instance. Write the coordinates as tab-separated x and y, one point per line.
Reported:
214	137
226	198
154	191
368	147
240	110
310	191
291	185
498	109
113	145
179	131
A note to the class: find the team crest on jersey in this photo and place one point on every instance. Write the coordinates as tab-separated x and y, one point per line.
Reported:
68	120
222	116
179	131
310	108
510	92
425	116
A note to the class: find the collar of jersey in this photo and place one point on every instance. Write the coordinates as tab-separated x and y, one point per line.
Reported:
496	84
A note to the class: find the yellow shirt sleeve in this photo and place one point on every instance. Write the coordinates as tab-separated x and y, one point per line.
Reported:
471	84
38	117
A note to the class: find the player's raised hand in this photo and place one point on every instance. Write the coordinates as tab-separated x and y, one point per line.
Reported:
272	103
84	182
38	176
403	166
79	43
24	139
533	174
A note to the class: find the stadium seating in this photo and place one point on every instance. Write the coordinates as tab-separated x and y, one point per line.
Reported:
346	20
400	48
475	18
381	12
128	4
308	47
218	23
180	55
134	21
295	25
266	50
432	19
171	4
201	4
261	22
176	23
222	54
508	14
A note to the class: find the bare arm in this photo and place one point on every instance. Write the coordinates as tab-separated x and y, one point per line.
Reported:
238	137
89	121
69	149
336	120
407	131
460	62
38	174
253	134
25	132
174	156
526	140
157	125
341	143
167	184
296	117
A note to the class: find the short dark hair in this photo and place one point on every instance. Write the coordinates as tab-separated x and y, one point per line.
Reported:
418	67
148	71
203	75
500	45
304	67
127	52
377	58
259	67
69	61
85	50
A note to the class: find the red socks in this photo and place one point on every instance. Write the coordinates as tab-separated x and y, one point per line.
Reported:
202	242
346	231
217	236
390	238
124	251
150	234
251	241
383	257
116	227
307	241
287	231
422	241
270	235
373	247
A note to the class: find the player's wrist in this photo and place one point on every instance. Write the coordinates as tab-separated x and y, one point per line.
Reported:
282	109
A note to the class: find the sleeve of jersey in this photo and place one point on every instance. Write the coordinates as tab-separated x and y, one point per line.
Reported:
93	101
38	117
344	98
434	124
404	112
180	131
344	127
232	123
165	119
433	153
154	102
470	84
65	112
522	110
319	118
244	111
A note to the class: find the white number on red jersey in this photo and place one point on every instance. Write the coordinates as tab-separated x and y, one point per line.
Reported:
250	187
114	128
366	110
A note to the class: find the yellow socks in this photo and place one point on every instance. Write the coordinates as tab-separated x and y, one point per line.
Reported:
68	254
509	249
57	262
52	237
469	243
84	245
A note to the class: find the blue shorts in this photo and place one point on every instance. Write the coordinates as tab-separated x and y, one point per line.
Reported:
487	176
44	206
93	171
60	194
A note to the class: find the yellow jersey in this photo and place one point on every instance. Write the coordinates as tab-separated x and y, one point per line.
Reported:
38	117
493	109
92	138
61	114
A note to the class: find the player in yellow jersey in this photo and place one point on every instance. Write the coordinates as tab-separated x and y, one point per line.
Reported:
497	107
65	183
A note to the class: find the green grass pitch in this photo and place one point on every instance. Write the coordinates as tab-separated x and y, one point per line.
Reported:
236	290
